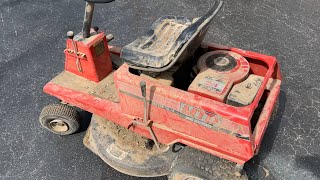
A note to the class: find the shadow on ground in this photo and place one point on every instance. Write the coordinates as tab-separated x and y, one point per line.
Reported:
85	120
254	168
310	163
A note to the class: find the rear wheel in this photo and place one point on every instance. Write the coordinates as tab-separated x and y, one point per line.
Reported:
60	119
192	164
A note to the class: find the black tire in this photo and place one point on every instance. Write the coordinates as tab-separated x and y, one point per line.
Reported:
192	164
60	119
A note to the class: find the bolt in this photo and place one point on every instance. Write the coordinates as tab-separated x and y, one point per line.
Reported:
149	144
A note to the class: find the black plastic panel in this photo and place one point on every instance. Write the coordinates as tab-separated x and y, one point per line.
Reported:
170	39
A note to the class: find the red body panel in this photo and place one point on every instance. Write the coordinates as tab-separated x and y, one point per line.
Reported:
94	57
180	116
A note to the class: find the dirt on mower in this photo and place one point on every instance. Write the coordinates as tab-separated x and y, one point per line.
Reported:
128	140
106	89
71	81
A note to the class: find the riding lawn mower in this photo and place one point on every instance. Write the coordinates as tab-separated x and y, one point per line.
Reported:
167	103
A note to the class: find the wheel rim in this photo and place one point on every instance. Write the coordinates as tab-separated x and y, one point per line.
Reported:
191	178
186	177
58	125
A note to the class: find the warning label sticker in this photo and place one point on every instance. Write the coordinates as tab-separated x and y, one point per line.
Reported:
212	84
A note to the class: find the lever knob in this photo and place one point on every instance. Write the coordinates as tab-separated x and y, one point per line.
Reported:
70	34
143	88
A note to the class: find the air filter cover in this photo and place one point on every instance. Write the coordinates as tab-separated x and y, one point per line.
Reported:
219	70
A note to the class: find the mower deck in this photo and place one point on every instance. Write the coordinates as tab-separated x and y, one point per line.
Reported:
125	151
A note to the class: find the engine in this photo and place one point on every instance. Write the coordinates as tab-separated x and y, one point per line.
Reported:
224	76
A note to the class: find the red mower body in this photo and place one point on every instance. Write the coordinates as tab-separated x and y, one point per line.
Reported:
177	115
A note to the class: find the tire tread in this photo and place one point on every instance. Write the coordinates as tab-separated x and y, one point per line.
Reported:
62	111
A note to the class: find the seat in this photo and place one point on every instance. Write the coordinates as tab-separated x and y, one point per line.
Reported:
170	39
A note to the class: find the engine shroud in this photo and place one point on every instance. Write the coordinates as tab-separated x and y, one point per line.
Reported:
219	71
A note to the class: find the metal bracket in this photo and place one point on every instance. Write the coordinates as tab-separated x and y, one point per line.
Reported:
147	124
73	53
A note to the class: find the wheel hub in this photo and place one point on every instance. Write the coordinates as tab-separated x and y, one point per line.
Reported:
191	178
59	125
183	176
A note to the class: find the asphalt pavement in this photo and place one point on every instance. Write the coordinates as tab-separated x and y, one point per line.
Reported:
32	40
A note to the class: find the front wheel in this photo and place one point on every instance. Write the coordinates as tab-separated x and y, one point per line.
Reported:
60	119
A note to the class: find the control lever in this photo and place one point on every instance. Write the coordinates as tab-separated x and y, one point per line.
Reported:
143	87
110	37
